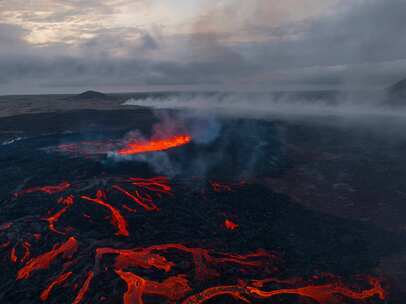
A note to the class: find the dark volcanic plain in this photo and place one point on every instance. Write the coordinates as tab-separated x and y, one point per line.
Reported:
315	210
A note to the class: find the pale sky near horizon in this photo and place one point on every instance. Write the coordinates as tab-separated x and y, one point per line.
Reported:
69	45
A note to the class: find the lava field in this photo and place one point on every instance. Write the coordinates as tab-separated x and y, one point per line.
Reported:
88	218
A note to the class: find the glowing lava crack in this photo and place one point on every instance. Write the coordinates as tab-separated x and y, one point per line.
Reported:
155	145
182	274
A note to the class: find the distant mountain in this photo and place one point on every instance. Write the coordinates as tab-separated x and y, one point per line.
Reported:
397	93
90	96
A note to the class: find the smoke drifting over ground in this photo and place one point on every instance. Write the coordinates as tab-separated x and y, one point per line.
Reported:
288	106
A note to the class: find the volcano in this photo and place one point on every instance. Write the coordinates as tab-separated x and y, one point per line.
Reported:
77	226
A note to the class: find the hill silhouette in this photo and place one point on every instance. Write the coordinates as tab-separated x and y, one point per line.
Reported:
90	96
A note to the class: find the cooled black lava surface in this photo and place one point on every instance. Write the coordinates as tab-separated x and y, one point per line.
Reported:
310	241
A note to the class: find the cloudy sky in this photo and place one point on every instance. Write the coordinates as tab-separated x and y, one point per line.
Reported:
60	46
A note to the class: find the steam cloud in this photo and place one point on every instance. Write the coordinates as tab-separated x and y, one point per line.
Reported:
287	106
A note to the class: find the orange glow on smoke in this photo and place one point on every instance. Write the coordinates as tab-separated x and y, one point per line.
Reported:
155	145
43	261
117	219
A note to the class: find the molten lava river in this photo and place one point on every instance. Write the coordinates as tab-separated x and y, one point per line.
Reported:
123	238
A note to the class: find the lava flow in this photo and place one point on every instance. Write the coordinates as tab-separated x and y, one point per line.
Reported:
145	203
173	288
58	281
46	189
325	293
159	272
85	288
230	225
43	261
68	202
155	145
117	219
205	261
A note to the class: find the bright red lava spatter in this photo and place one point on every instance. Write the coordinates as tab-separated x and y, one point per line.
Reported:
230	225
154	145
176	283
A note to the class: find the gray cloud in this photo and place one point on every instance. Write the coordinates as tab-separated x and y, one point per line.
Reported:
360	44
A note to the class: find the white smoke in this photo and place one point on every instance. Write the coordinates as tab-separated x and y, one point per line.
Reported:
203	129
266	106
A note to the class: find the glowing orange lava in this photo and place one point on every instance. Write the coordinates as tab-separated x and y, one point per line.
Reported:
46	189
158	184
325	293
58	281
13	255
85	288
146	204
142	258
43	261
67	201
27	251
173	288
230	225
173	267
146	189
203	260
155	145
117	219
235	291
